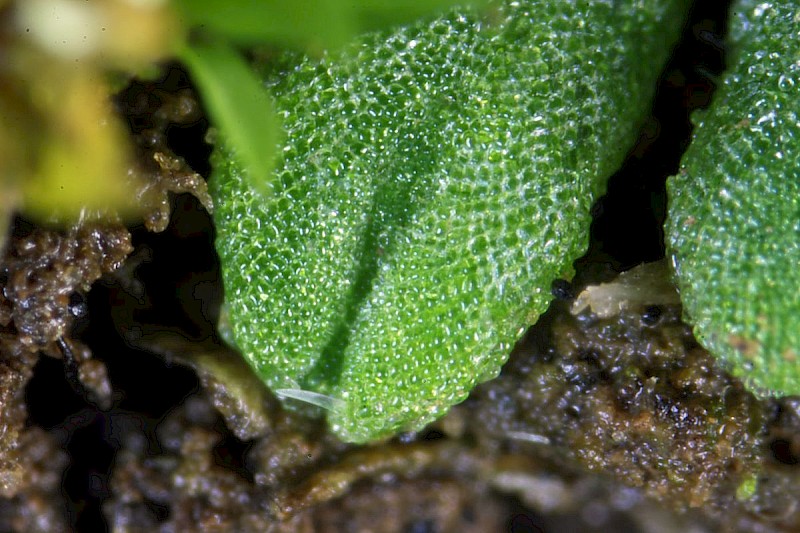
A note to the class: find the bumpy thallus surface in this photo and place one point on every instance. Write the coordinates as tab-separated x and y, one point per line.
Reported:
734	221
434	181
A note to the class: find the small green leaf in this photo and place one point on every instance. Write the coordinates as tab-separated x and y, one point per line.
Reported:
238	105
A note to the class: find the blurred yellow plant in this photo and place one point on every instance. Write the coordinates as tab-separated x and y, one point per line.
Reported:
63	151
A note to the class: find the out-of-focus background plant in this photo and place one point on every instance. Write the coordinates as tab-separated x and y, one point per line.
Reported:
63	151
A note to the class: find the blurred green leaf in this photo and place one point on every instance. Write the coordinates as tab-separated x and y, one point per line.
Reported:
376	14
310	24
238	105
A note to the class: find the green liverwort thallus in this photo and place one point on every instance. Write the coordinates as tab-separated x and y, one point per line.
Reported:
734	223
434	181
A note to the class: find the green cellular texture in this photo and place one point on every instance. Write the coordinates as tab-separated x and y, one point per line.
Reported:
734	222
433	182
